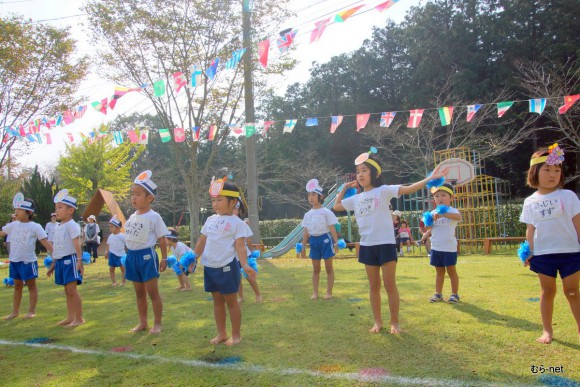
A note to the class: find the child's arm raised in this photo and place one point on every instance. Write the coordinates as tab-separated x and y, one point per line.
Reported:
163	248
240	247
338	203
409	189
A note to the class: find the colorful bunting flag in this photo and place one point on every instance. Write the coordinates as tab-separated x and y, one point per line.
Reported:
318	30
250	129
385	5
48	138
70	137
84	137
68	117
212	132
335	121
237	129
267	125
289	126
159	88
313	121
80	112
342	16
119	92
235	59
30	137
144	136
569	100
361	121
285	41
59	120
263	49
133	136
22	131
98	106
446	115
211	71
179	80
387	119
164	135
38	138
196	74
415	118
537	105
195	133
471	110
118	136
179	134
503	107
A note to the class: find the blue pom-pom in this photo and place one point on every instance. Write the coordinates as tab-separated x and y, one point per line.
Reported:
428	219
299	247
253	264
373	150
86	258
8	281
123	259
47	261
442	209
187	259
524	251
341	243
350	192
177	269
171	260
435	182
255	254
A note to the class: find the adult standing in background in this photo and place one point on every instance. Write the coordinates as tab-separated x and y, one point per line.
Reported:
91	235
50	227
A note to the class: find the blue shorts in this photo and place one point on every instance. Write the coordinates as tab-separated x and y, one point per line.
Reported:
65	270
224	280
321	246
404	239
443	258
23	271
377	255
114	260
550	264
141	265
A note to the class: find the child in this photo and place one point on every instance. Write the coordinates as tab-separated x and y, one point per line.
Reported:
320	233
143	229
377	245
425	237
178	249
396	215
552	215
444	243
222	238
67	263
116	249
248	245
23	263
91	235
405	237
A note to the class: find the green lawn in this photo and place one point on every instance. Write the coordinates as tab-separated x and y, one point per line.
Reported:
290	340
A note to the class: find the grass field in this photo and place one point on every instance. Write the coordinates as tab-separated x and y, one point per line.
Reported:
488	338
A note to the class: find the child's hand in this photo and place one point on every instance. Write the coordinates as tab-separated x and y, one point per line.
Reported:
251	273
192	267
437	216
80	267
303	254
163	265
352	184
437	174
527	261
50	271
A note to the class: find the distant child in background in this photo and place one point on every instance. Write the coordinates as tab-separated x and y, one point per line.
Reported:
222	239
23	264
143	229
552	215
50	227
67	263
116	249
320	233
405	237
425	237
248	243
378	249
396	215
91	235
178	249
444	243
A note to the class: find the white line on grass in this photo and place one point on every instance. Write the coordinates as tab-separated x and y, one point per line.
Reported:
252	368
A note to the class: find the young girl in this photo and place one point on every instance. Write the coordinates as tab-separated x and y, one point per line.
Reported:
222	238
116	250
405	236
377	245
552	215
178	249
248	245
142	230
23	264
444	243
320	233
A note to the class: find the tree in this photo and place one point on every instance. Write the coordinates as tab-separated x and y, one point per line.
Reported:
37	75
42	191
98	164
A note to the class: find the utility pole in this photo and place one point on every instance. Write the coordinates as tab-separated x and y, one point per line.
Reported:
252	178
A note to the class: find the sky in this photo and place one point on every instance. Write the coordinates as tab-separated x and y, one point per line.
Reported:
338	38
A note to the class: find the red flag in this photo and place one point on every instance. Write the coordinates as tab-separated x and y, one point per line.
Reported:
318	30
48	138
22	130
267	125
179	134
361	121
383	6
569	100
415	118
263	49
133	136
71	138
179	80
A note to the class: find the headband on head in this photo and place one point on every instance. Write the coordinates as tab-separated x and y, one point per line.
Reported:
313	186
442	188
365	158
555	156
144	180
18	202
171	235
115	221
63	197
216	188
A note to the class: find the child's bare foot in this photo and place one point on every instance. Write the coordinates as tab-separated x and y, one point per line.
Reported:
186	290
179	288
29	315
123	283
156	329
233	341
546	338
395	329
114	284
218	339
10	316
376	328
327	296
259	298
140	327
314	296
66	321
76	323
240	299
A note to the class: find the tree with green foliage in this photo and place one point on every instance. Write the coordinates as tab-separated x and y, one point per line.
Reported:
42	191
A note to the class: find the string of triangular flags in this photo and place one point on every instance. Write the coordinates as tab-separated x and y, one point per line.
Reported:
142	136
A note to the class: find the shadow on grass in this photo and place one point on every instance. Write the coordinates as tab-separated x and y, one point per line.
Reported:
489	317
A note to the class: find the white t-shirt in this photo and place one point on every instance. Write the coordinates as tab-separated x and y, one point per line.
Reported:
180	249
552	215
116	244
443	233
142	231
221	232
371	210
49	229
23	238
63	239
97	231
317	221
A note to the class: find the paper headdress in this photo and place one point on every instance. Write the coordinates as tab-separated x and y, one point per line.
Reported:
18	201
144	180
115	221
63	197
216	188
555	156
365	158
313	186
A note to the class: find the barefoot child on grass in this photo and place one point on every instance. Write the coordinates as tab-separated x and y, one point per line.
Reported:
222	239
67	263
178	249
552	215
143	229
116	249
23	263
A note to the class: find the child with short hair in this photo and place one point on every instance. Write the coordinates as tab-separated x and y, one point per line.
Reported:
116	249
444	243
378	250
552	216
143	229
23	262
67	263
179	248
320	233
405	236
222	239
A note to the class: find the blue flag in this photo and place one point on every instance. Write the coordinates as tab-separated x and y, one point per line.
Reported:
312	121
